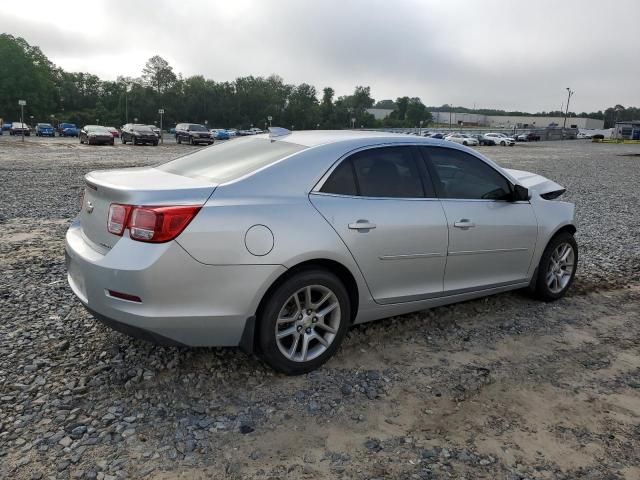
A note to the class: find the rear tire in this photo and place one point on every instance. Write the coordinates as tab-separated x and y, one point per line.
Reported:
557	268
191	141
319	320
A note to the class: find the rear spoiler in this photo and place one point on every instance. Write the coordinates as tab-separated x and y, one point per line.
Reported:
547	189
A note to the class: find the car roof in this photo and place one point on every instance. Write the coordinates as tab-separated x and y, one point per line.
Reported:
313	138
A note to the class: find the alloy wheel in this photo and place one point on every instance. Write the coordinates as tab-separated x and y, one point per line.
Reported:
307	323
560	269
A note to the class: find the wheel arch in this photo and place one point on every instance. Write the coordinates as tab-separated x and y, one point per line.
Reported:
249	340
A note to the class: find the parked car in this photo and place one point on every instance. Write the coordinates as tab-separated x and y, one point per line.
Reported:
6	126
500	139
437	136
156	130
481	140
582	135
219	134
115	133
45	130
172	130
96	135
71	130
232	132
138	134
528	137
256	131
193	133
208	249
462	139
18	128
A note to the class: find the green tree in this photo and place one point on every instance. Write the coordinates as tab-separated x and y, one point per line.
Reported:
158	74
25	74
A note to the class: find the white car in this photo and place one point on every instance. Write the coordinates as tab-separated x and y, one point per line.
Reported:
500	139
582	135
462	139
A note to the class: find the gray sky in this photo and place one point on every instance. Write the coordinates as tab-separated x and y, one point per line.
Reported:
496	53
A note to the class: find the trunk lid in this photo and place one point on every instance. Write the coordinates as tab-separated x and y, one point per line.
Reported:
133	186
546	188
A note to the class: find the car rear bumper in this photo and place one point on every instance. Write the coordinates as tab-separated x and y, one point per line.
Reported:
183	302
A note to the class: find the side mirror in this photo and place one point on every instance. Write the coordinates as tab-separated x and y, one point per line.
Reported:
520	193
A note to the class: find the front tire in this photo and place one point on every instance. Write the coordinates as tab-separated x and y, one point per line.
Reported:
557	268
304	321
503	144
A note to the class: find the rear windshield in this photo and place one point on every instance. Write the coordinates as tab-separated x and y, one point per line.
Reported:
197	128
142	128
228	161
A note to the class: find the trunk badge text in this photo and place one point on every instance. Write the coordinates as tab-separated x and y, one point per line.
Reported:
89	207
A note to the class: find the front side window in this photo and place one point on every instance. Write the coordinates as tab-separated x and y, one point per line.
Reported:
463	176
387	172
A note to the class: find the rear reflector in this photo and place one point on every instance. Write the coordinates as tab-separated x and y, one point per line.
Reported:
124	296
150	224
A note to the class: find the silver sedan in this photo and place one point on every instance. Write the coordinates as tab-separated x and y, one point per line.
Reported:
278	243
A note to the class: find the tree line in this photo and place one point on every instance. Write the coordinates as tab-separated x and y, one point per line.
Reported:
54	95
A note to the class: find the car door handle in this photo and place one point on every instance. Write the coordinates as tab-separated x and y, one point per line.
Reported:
362	225
464	223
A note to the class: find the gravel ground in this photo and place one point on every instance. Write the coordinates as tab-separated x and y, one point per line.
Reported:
502	387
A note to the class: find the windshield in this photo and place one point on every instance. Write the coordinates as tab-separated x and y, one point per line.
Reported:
44	125
229	161
197	128
96	129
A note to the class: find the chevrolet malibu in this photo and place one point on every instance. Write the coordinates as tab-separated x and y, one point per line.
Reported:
279	242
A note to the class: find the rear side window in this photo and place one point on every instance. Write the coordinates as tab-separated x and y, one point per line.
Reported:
228	161
464	176
387	172
342	180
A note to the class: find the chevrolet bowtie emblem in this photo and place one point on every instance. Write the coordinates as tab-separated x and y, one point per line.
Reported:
89	207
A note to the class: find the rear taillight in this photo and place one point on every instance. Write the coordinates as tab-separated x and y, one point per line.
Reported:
150	224
118	216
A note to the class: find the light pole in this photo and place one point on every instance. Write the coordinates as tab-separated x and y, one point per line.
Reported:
269	118
420	131
564	125
22	103
353	122
161	112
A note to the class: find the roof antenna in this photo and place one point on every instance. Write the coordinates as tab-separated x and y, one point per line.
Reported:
278	132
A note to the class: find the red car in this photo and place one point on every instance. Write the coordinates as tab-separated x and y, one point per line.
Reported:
114	132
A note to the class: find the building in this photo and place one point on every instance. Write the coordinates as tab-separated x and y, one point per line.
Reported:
499	121
508	122
380	113
627	130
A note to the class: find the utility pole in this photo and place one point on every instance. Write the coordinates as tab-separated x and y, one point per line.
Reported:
22	103
564	125
161	112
